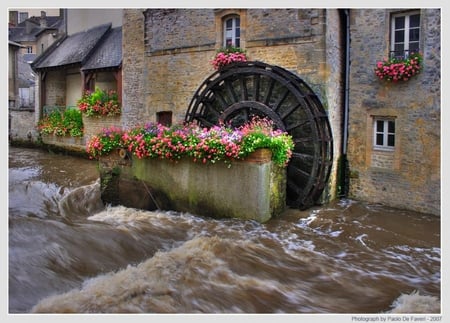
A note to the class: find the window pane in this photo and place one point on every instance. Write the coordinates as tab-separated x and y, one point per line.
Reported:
391	140
413	47
399	36
237	43
238	33
391	127
238	22
229	23
399	22
380	126
414	34
414	20
379	141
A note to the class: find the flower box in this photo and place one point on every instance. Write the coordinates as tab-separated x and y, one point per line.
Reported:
399	69
228	55
259	156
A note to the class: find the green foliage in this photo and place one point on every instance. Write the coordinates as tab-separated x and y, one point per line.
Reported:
67	123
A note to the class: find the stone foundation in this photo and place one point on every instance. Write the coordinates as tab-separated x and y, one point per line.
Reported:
254	189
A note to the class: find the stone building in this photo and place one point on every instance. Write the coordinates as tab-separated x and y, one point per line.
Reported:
405	172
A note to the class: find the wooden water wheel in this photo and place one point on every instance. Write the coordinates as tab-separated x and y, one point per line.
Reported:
241	91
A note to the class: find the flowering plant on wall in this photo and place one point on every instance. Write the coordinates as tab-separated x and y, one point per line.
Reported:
66	123
228	55
399	69
99	103
205	145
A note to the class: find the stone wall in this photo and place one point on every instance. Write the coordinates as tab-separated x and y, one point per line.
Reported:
254	189
165	62
95	125
55	85
133	73
22	125
409	176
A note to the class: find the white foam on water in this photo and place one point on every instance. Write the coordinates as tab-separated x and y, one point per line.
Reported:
414	303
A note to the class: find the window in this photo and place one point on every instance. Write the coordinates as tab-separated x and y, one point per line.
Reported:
405	34
164	118
384	134
29	49
232	32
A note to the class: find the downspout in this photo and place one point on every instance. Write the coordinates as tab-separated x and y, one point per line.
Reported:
344	167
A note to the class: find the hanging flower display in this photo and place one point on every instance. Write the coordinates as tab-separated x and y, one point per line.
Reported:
228	55
399	69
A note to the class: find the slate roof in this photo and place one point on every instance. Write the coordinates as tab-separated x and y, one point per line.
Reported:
19	33
108	53
52	21
72	50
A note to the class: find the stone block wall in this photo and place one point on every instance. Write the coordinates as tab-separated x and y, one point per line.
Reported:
133	73
95	125
22	125
55	84
167	52
409	176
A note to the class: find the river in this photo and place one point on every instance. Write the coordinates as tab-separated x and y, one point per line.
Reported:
68	253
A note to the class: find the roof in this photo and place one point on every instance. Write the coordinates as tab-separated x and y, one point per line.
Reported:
73	49
108	53
50	21
20	34
13	43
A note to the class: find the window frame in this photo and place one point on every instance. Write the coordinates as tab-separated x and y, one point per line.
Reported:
235	39
385	133
406	36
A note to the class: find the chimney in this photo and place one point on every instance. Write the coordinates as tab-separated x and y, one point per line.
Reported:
13	18
43	20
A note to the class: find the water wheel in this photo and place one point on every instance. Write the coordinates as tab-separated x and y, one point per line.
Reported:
241	91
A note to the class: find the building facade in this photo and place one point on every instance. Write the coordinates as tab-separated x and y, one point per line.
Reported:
403	170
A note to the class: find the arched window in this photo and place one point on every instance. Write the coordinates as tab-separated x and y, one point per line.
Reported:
232	32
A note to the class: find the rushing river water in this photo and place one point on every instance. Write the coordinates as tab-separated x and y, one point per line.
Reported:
69	253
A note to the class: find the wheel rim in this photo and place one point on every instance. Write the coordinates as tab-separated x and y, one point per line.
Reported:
240	91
